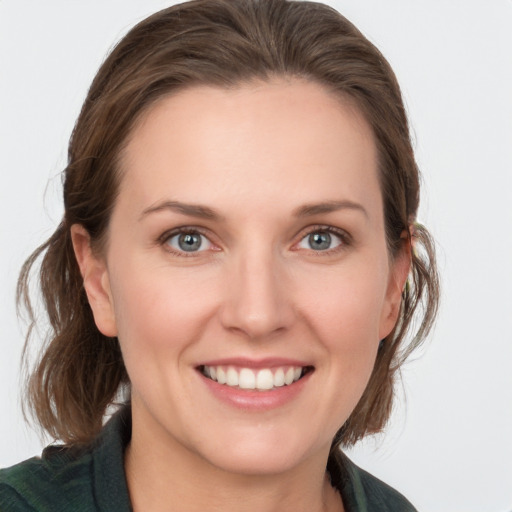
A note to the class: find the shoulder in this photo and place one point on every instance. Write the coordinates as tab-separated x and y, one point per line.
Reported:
58	480
85	478
362	491
381	496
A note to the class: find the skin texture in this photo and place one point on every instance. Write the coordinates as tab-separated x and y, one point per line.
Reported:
258	156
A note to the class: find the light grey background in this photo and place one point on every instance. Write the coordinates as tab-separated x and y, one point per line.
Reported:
449	448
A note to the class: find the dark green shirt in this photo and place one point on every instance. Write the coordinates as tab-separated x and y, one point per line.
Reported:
92	479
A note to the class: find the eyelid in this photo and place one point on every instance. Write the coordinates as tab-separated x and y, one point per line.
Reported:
164	238
344	236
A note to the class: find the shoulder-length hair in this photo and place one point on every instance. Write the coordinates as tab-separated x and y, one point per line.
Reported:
220	43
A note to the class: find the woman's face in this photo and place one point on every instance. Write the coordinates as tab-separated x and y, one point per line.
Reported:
246	273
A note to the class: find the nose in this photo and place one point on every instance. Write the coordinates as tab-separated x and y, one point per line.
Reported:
258	301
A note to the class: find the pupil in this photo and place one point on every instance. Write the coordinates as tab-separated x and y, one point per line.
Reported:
320	241
189	242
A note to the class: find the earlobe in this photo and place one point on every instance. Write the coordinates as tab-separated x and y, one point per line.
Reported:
400	268
96	281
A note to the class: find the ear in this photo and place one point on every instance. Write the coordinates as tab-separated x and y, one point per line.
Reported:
96	281
399	271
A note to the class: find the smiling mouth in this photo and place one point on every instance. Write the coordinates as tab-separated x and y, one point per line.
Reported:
264	379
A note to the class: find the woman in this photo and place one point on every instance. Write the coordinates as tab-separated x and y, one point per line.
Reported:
238	263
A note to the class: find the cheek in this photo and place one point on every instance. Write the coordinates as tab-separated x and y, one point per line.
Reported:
347	307
348	329
345	316
158	312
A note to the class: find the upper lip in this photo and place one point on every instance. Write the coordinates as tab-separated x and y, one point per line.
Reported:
243	362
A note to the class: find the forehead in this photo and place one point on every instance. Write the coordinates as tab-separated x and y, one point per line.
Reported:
258	138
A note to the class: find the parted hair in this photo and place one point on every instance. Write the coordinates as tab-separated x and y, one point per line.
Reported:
80	372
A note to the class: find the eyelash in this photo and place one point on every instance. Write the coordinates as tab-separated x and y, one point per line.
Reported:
344	238
164	239
342	235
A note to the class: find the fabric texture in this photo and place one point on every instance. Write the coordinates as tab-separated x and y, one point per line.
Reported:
92	479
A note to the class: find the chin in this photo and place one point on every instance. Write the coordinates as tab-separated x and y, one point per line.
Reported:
256	464
260	456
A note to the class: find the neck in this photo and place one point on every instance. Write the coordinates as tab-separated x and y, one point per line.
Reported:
161	473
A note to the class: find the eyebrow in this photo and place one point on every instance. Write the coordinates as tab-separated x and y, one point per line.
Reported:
327	207
192	210
204	212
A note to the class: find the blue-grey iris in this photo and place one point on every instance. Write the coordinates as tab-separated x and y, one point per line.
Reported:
320	240
189	242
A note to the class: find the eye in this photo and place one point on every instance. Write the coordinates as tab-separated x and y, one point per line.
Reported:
321	240
188	242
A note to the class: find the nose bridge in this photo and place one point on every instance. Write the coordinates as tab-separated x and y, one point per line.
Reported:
257	301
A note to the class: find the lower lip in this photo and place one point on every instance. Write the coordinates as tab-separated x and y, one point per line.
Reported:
253	400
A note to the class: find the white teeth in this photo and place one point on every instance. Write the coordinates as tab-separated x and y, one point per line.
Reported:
232	377
221	375
247	378
279	378
265	380
288	376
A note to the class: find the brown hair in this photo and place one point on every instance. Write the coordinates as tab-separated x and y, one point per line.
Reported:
220	43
